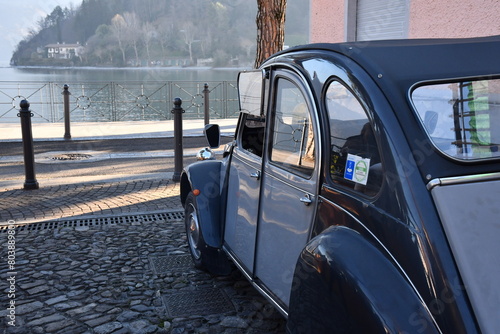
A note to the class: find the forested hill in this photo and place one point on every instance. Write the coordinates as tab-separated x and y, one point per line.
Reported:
154	33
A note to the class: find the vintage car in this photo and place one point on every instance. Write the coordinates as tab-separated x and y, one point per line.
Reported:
361	193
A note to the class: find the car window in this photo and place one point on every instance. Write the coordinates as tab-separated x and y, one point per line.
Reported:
252	134
355	159
461	118
293	135
250	89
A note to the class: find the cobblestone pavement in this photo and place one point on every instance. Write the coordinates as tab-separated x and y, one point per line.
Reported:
89	199
102	251
133	276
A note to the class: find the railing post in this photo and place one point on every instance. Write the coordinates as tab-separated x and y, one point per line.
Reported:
67	130
29	156
178	154
206	104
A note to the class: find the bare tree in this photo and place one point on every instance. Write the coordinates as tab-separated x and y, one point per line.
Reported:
189	35
134	33
166	34
119	30
270	28
149	34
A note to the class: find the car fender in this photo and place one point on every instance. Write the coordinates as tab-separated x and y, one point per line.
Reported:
344	284
205	176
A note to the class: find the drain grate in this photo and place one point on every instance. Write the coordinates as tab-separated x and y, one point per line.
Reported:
71	156
98	221
201	301
167	264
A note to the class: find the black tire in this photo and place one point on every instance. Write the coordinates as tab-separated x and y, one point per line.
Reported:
193	232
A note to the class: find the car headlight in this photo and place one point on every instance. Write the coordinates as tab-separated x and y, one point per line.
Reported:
205	154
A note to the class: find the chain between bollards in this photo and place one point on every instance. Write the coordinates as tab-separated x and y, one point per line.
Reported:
178	153
29	157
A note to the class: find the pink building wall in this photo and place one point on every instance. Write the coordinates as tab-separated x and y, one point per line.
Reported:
327	21
427	19
454	18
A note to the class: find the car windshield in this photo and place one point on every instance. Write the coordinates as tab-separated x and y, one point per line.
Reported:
462	118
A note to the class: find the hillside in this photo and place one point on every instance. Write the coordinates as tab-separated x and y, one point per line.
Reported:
153	33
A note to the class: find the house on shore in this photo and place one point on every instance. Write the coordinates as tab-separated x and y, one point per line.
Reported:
63	50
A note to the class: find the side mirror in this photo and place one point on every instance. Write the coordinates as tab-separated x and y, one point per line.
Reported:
212	133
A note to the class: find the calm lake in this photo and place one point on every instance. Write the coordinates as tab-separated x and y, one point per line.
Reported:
69	75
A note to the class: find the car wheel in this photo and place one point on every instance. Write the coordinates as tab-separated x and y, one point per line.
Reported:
193	231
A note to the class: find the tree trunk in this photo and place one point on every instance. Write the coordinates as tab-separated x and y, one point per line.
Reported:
270	28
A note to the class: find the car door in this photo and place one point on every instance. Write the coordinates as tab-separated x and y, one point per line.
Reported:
244	189
244	180
289	184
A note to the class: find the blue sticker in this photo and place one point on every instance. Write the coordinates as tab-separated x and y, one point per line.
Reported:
349	169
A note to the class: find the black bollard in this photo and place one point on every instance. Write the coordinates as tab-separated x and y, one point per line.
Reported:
179	155
29	156
67	130
206	104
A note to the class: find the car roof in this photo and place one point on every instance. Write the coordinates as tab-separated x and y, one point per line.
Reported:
407	61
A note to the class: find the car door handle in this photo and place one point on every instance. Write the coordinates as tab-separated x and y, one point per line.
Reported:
255	175
306	199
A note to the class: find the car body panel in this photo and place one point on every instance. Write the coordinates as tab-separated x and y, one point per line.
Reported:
469	212
242	207
360	280
285	225
206	176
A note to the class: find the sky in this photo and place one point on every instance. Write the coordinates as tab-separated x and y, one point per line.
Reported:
17	17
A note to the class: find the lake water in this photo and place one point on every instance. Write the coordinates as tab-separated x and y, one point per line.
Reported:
69	75
114	94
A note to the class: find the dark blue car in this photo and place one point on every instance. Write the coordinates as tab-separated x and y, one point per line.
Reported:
361	193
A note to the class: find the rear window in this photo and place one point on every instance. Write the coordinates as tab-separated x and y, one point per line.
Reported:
462	119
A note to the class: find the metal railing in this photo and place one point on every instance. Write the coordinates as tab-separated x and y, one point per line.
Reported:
118	101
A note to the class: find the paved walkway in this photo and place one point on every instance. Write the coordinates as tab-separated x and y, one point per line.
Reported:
113	130
146	194
101	248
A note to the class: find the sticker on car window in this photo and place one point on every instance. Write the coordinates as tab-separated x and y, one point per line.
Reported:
356	169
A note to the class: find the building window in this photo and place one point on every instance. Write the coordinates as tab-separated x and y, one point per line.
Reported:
377	19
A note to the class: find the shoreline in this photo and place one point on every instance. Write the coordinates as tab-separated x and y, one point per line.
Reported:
162	68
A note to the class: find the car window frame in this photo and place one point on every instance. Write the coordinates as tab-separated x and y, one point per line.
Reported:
264	102
297	81
421	121
330	182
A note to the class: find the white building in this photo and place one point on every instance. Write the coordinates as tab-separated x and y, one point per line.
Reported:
63	51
